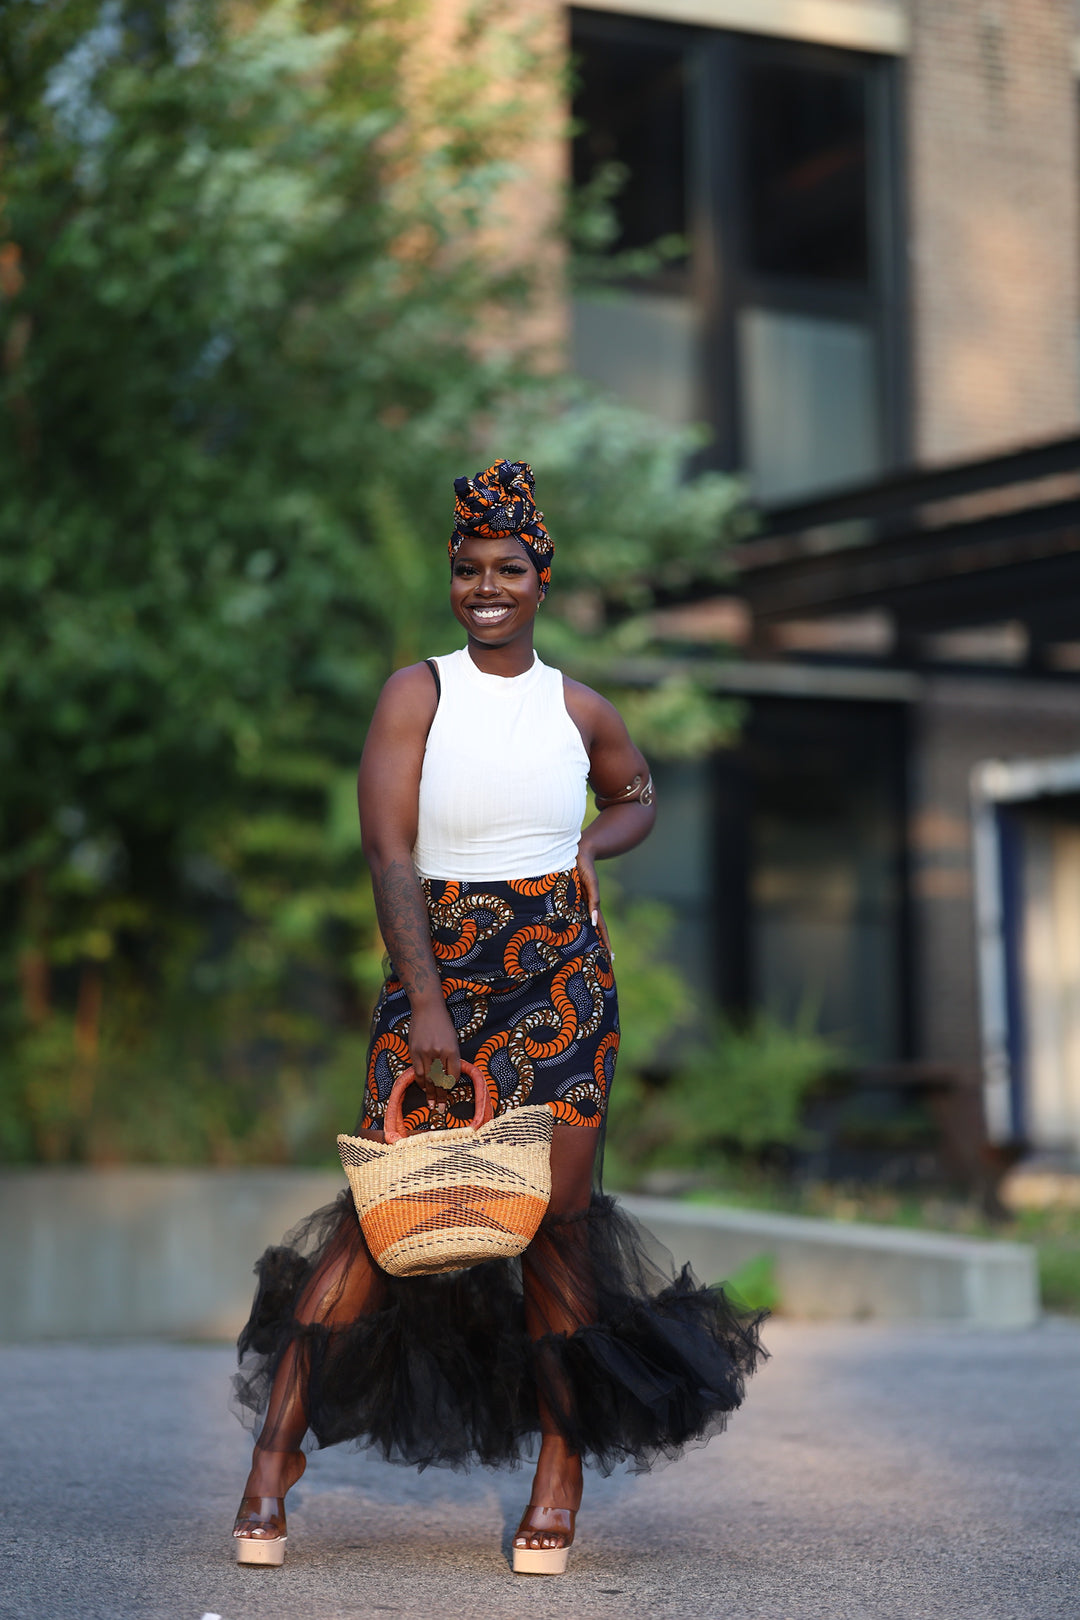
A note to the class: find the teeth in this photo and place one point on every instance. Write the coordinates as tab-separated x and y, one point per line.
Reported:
490	613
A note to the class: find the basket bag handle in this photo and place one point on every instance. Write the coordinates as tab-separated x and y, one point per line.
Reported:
394	1124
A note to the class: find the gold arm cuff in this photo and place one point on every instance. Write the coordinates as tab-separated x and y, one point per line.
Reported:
637	791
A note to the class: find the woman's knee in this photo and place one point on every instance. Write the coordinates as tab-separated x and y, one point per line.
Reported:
344	1284
573	1157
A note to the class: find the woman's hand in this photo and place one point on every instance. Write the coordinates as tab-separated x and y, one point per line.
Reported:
590	883
432	1040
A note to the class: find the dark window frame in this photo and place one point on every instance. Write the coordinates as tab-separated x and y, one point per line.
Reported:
717	277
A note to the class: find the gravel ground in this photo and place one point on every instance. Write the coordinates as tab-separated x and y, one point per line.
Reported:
874	1473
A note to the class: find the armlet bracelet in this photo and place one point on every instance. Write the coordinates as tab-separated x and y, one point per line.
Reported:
642	793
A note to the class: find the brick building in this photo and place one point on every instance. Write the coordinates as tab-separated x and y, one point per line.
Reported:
875	307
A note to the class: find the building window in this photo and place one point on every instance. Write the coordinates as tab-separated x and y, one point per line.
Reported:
634	105
780	327
826	922
784	861
641	340
805	137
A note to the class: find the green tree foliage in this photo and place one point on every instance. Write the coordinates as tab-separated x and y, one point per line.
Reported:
251	327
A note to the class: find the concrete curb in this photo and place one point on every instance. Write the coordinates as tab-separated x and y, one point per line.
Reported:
168	1253
844	1270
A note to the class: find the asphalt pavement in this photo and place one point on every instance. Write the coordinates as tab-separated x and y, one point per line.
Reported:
874	1473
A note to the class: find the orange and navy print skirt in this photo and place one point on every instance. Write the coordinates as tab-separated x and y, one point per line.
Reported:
529	986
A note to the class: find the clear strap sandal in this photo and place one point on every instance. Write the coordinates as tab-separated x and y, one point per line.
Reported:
548	1523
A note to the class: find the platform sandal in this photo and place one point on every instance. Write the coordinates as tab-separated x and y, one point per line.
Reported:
259	1532
544	1521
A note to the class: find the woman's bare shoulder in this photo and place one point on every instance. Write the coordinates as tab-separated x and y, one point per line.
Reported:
592	713
409	698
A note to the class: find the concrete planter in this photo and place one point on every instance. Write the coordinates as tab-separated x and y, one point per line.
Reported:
157	1253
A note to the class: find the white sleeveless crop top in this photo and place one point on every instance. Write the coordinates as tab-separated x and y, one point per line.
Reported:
502	791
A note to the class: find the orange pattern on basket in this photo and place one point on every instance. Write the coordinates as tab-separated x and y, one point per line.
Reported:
421	1212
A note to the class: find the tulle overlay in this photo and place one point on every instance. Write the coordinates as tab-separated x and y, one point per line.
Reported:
633	1360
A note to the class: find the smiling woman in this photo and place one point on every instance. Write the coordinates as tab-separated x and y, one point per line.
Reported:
472	792
489	585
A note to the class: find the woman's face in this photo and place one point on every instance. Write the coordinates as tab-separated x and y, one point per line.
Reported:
494	589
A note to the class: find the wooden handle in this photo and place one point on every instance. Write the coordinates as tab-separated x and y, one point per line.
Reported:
394	1124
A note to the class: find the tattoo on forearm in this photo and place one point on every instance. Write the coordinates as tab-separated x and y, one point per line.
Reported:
403	919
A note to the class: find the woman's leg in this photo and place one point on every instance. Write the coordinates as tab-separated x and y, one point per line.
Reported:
346	1284
559	1298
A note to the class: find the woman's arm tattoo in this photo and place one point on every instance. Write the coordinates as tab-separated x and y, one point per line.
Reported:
403	920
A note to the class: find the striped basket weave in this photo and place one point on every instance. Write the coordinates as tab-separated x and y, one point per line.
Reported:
442	1200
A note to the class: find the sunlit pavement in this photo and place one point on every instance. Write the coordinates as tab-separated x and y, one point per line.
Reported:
875	1472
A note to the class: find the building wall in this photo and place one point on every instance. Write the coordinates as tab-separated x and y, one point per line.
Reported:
508	66
960	722
993	189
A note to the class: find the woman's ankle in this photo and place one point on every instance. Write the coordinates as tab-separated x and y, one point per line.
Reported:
558	1481
274	1473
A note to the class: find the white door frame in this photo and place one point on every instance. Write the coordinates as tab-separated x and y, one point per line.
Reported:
995	782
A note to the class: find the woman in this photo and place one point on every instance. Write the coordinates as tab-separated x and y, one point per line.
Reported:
472	793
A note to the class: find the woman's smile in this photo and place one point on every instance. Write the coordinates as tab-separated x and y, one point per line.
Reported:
490	612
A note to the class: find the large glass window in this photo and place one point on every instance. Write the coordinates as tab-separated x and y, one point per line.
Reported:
645	348
805	138
775	161
641	339
808	390
631	98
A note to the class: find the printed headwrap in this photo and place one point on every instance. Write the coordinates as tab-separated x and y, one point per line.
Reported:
500	501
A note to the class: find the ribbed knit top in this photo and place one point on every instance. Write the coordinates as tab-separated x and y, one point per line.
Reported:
502	791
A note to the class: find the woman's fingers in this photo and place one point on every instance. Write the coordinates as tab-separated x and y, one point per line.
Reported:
444	1062
590	883
432	1096
587	874
437	1067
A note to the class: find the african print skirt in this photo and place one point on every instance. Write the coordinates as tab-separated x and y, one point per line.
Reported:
529	986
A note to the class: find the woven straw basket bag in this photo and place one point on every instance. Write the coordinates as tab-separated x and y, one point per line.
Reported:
442	1200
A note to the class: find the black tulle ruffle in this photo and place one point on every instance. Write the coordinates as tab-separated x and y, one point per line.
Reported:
449	1369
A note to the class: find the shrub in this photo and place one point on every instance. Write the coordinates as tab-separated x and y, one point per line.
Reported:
740	1090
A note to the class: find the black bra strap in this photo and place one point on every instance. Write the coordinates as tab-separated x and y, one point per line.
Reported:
434	668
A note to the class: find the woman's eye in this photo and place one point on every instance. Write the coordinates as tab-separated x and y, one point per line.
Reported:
512	568
464	571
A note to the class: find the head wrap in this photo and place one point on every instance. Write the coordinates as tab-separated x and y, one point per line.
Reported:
500	501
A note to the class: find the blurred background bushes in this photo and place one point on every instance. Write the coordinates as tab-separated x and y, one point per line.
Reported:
252	325
731	1102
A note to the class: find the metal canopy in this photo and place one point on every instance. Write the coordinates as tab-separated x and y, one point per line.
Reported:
1010	553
